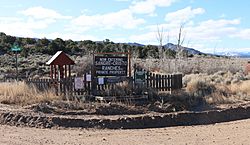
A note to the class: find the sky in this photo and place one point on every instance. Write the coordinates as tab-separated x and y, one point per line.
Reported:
210	26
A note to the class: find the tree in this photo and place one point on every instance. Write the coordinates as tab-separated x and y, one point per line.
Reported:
160	37
71	46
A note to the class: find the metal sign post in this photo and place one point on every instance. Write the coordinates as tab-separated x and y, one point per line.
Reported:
15	48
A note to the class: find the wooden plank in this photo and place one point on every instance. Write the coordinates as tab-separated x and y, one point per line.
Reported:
169	83
147	79
153	81
164	82
158	82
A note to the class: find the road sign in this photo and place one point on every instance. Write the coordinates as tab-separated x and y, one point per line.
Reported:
15	48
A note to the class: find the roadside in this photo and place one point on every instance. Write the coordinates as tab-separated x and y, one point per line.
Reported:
236	132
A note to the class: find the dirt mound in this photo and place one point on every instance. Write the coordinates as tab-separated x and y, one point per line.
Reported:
39	119
71	108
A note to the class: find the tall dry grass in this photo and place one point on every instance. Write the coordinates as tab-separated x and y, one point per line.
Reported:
219	88
20	93
193	65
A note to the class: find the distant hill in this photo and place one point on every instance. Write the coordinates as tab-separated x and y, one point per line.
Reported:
135	44
172	47
189	50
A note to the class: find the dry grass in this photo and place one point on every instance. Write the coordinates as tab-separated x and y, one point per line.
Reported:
243	87
21	94
193	65
219	88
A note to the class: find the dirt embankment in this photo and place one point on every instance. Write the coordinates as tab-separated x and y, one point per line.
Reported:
31	118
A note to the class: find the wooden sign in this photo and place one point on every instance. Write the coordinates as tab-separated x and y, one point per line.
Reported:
111	65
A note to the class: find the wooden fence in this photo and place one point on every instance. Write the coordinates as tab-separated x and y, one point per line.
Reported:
164	82
121	87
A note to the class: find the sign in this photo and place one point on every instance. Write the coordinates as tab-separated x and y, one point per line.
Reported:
88	78
15	48
79	83
140	76
100	81
111	65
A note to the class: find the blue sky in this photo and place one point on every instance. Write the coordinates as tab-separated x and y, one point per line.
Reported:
208	25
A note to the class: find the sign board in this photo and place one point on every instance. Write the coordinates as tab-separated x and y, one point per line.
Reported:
111	65
88	78
15	48
79	83
140	76
100	81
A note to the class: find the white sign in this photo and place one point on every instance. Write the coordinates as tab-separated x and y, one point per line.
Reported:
79	83
88	78
100	81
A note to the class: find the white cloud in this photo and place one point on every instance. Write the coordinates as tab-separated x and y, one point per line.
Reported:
23	27
67	36
146	38
243	34
121	19
213	30
196	35
149	6
43	13
183	15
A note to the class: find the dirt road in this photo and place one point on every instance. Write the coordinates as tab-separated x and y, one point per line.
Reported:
237	132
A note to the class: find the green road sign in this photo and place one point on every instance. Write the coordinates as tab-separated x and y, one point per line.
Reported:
15	48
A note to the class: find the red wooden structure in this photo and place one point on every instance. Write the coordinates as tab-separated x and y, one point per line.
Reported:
247	68
60	66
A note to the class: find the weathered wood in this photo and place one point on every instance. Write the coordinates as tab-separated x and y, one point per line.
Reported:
66	86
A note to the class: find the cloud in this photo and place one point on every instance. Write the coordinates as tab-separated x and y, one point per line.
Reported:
242	34
149	6
67	36
23	27
38	18
43	13
203	33
183	15
212	30
145	38
121	19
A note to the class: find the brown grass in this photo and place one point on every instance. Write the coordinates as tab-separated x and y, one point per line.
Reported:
20	93
219	88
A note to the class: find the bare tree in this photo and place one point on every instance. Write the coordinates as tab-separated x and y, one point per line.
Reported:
180	41
160	37
180	52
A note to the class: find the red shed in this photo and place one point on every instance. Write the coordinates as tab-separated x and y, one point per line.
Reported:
60	65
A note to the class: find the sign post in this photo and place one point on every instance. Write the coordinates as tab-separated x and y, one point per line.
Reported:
15	48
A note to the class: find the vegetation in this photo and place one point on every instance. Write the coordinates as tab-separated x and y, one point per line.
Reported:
46	46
